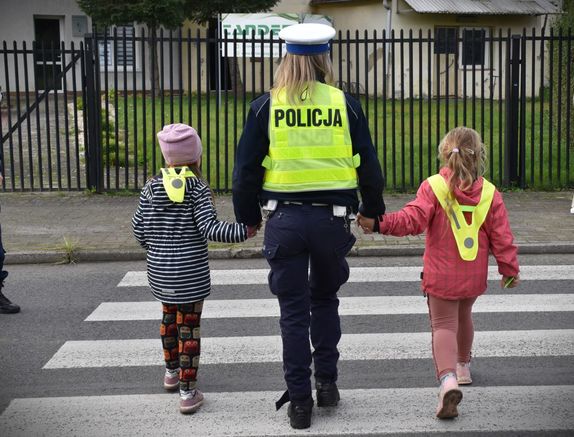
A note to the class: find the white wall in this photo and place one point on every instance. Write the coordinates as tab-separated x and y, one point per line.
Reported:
17	18
17	24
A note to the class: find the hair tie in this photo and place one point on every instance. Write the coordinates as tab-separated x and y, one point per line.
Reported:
454	150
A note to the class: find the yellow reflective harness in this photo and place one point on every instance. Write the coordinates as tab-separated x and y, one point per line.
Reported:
310	146
174	182
466	235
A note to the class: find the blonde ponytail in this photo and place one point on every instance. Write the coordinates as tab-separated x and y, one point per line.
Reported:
297	74
463	152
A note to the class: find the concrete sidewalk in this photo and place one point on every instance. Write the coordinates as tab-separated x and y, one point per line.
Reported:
53	227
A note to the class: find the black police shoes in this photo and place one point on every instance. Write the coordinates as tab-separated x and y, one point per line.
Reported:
327	394
7	307
299	413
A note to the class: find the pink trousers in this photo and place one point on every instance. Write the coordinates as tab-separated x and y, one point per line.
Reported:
452	332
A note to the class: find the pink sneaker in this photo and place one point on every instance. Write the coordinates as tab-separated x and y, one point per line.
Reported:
463	373
190	401
171	379
448	398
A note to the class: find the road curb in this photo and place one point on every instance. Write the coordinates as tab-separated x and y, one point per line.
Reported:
108	255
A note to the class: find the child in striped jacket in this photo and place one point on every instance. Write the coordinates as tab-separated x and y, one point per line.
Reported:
174	219
464	218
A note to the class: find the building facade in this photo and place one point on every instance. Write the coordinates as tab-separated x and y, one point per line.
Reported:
459	47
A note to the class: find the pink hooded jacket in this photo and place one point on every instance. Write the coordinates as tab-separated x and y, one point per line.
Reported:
445	274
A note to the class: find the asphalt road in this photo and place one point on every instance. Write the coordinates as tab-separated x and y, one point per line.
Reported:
56	300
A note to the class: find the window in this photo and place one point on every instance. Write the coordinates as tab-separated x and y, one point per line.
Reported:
473	47
445	40
123	55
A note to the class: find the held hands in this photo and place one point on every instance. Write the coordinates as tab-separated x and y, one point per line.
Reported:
510	281
252	230
365	223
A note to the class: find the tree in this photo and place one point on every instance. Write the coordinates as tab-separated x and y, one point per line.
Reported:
202	11
164	13
564	23
153	13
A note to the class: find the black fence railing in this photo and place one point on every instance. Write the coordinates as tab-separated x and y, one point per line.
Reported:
86	116
41	118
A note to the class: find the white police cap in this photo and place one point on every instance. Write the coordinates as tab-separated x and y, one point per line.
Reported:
307	38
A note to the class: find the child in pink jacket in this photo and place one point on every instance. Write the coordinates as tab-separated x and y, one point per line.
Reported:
456	254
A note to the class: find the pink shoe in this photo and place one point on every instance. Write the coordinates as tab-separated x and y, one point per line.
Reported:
171	379
190	401
448	398
463	373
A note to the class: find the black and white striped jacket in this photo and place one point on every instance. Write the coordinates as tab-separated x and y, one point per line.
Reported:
175	236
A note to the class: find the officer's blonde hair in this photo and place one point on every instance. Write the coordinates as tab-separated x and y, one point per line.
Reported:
464	153
297	74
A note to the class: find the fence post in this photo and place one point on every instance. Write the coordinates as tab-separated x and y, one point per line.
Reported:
512	113
94	167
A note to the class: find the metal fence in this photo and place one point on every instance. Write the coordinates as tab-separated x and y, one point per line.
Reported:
87	117
41	119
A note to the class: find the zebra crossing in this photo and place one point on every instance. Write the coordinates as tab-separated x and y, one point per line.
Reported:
377	410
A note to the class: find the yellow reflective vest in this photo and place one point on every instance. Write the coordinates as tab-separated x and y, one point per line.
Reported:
174	182
310	145
465	235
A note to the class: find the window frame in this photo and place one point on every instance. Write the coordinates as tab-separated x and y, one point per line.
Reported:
486	48
111	66
436	30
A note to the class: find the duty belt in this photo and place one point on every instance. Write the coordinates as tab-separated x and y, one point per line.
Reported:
290	202
338	210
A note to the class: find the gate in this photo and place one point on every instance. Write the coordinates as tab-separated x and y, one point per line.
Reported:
43	122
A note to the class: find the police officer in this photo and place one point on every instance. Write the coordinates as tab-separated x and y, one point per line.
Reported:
304	151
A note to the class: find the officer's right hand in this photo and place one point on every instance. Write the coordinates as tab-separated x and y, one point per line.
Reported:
252	230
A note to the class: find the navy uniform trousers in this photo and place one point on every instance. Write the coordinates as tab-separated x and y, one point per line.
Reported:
3	274
305	247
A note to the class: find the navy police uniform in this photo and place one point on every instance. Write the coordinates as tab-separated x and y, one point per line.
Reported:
306	241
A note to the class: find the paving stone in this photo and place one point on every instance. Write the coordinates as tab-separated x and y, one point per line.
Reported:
38	223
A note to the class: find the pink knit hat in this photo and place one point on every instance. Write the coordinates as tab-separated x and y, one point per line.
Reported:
179	144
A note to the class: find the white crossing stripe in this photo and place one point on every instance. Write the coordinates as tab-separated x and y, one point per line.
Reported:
264	349
349	306
361	274
360	412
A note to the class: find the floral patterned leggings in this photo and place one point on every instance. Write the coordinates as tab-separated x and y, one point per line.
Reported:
181	340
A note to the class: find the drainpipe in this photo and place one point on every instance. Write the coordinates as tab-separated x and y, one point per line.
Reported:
389	9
